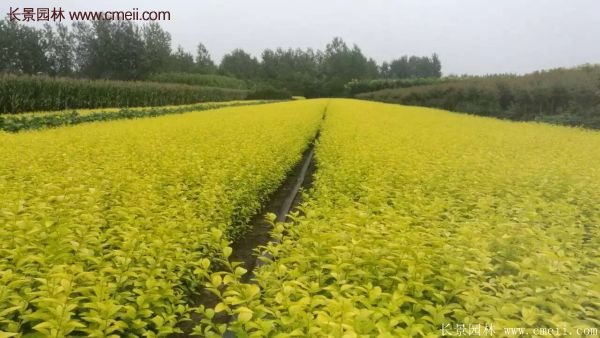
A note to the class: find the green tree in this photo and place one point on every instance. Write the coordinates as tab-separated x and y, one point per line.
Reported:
384	70
436	66
181	61
22	49
110	50
340	65
157	48
59	49
204	63
240	64
400	68
415	67
293	69
9	55
372	69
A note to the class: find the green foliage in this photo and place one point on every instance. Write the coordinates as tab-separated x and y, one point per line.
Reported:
566	96
127	51
268	93
180	61
295	70
59	50
157	47
207	80
355	86
340	64
113	50
414	67
204	63
109	228
240	64
34	93
22	49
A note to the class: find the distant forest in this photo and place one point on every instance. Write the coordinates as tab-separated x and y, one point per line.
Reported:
122	50
125	51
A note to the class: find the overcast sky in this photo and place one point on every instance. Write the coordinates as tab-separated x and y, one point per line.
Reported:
471	36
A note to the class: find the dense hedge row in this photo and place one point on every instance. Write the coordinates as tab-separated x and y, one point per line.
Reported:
33	93
356	87
564	96
18	122
209	80
268	93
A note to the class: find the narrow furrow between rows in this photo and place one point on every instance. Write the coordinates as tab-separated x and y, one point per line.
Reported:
284	200
246	249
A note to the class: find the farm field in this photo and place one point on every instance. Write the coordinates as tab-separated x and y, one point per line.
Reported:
417	220
420	219
339	169
106	228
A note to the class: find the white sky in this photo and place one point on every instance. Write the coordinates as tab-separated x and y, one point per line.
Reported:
471	36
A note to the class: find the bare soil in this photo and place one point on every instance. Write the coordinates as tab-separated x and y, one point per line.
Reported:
246	249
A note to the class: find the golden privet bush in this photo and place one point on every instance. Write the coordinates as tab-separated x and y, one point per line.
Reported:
422	220
106	228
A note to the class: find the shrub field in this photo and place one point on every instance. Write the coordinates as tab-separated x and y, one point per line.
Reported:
107	228
418	223
421	220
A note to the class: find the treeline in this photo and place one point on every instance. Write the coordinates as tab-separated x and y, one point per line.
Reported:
42	93
412	67
563	96
126	51
112	50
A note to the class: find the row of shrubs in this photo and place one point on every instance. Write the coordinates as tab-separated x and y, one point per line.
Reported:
562	96
356	87
207	80
256	91
18	122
